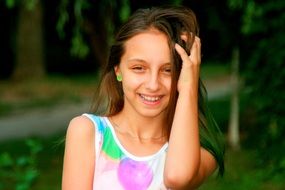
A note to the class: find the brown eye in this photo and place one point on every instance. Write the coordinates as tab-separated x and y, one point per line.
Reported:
138	68
166	70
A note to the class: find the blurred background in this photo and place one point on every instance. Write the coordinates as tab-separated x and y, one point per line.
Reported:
50	58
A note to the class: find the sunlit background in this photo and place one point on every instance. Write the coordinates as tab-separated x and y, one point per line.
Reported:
51	52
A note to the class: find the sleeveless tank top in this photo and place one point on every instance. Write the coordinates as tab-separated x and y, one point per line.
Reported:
118	169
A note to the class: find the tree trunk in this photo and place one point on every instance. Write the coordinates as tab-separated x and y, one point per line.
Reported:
233	130
29	44
99	40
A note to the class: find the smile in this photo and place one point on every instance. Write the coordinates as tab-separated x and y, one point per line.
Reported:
150	98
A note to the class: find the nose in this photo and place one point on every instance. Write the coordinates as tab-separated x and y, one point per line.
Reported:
152	81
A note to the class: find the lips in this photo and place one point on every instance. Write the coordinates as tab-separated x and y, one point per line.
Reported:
151	99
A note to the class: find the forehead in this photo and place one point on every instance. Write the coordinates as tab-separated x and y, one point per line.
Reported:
150	45
146	36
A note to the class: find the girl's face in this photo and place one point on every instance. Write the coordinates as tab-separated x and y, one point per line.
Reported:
145	68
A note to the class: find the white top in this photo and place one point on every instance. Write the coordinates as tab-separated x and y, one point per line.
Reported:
118	169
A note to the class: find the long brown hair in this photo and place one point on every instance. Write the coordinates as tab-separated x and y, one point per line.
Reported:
173	22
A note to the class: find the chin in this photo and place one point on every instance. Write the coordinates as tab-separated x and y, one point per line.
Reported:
152	113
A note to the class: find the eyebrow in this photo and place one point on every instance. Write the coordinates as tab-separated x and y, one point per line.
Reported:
143	61
136	59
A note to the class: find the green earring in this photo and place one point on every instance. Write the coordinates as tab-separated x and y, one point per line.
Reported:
119	78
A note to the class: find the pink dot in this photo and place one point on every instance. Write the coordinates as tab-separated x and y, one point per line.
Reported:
134	175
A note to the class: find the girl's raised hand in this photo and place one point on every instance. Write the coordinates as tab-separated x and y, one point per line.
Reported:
189	76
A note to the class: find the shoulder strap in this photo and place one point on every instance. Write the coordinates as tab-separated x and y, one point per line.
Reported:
99	131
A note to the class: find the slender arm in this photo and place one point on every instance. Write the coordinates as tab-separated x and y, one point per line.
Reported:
79	156
187	164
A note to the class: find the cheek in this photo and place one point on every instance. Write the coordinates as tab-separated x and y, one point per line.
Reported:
131	84
167	84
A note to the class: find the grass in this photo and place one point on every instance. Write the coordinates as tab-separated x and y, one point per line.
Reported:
49	160
242	174
50	165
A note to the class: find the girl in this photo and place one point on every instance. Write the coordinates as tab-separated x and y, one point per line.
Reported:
151	128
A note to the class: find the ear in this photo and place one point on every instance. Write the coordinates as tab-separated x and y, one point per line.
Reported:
118	73
117	70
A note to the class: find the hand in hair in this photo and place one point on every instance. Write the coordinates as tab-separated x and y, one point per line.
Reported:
189	76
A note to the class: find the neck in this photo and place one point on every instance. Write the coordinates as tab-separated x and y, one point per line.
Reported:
140	128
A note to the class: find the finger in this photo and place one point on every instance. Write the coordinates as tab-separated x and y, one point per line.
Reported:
195	53
183	54
184	36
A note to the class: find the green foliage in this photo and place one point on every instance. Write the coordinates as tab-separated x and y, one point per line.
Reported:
10	3
125	10
242	174
235	4
63	18
79	48
176	2
119	12
252	11
29	4
264	75
19	173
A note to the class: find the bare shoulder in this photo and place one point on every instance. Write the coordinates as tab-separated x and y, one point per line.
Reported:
79	154
80	127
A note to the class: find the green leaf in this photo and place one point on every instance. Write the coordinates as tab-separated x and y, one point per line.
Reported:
6	160
235	4
10	3
78	47
22	186
125	11
30	4
63	18
23	160
34	145
31	175
282	164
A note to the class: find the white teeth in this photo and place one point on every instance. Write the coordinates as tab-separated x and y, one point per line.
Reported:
150	98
